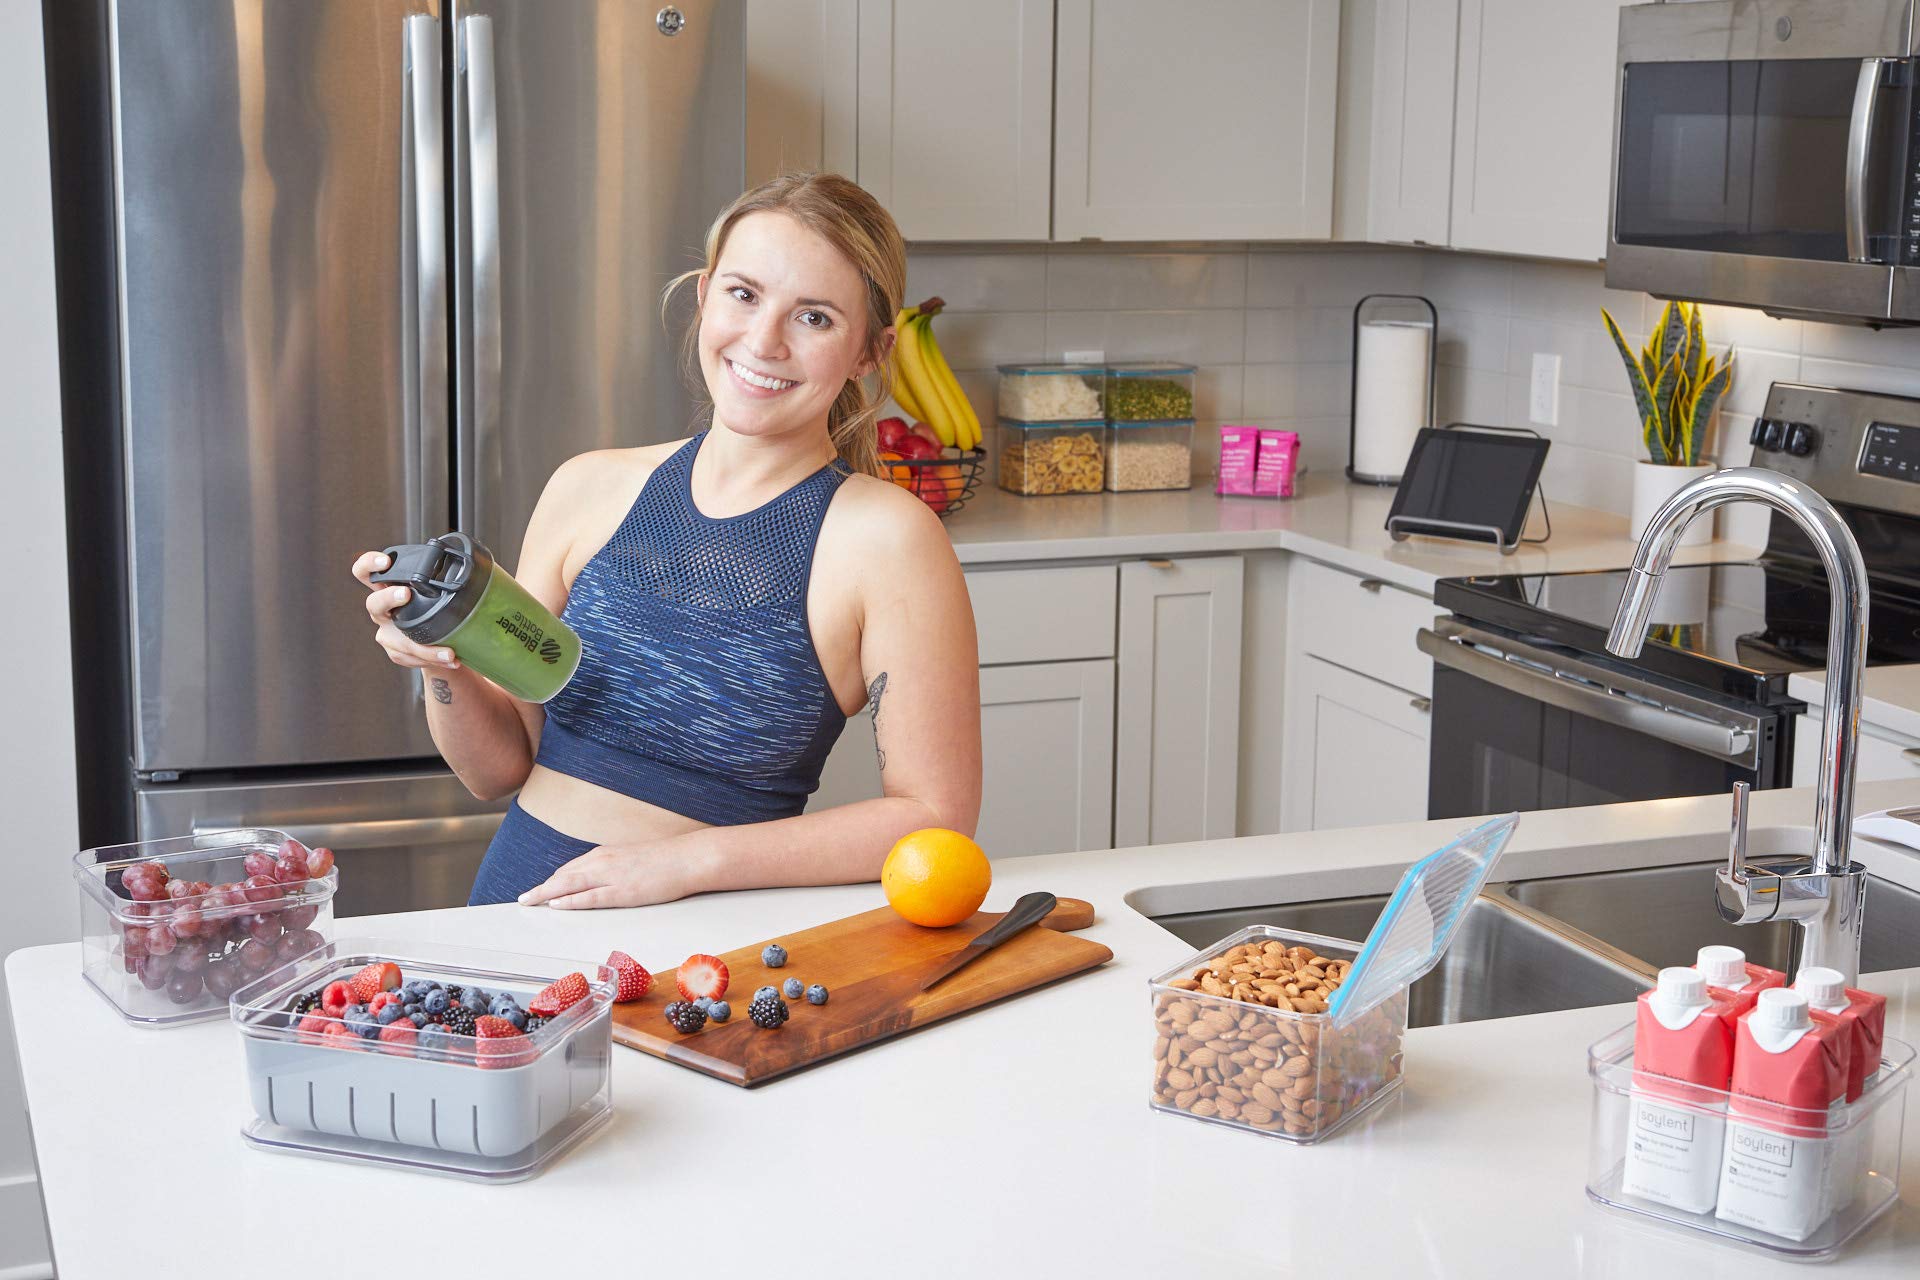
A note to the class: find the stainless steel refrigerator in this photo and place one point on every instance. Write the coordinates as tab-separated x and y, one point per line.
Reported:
337	274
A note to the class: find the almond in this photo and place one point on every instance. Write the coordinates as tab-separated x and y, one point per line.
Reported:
1202	1057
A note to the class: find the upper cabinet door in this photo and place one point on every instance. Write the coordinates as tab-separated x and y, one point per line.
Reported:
1533	126
956	115
1411	157
1195	122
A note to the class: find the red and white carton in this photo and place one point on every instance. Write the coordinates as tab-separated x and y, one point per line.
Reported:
1789	1071
1682	1066
1864	1017
1730	976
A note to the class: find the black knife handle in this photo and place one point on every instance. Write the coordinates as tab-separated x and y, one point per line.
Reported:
1030	909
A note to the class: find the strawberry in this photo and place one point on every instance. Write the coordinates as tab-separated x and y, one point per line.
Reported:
381	975
335	998
556	996
498	1043
701	975
401	1036
630	979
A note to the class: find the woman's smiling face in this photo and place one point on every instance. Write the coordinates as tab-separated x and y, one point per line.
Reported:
783	326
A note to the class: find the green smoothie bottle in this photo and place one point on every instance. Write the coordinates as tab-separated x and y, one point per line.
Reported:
464	601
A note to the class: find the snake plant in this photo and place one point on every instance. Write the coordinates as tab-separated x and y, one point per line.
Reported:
1676	384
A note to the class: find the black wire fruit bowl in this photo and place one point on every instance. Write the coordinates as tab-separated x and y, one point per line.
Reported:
944	483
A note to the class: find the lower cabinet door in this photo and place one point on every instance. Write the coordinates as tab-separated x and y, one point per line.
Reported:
1046	732
1356	751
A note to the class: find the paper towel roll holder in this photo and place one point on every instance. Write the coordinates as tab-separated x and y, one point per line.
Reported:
1382	308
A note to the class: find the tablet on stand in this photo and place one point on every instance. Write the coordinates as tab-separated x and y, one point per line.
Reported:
1470	483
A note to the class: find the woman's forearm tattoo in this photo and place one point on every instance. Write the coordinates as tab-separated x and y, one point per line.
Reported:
442	691
874	690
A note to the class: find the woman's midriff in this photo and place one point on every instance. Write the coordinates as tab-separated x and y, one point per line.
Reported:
586	811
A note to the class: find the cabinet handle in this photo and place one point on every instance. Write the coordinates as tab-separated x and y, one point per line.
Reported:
1422	705
1910	754
1160	564
1372	584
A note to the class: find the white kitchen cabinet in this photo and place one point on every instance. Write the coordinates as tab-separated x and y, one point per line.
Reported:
802	72
1410	159
1533	126
1176	747
1046	734
1881	754
1195	122
955	110
1356	750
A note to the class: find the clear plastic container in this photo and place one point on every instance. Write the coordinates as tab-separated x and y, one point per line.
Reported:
1149	391
1149	455
1858	1145
176	960
1052	457
497	1110
1051	392
1284	1072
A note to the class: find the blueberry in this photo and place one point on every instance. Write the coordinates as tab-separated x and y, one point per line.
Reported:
501	1003
719	1011
816	994
773	956
419	1020
436	1001
410	1008
766	991
792	988
389	1013
703	1003
516	1015
474	1000
433	1040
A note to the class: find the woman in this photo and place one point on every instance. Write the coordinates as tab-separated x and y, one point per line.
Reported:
739	595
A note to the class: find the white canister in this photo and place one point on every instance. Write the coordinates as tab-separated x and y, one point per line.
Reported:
1653	485
1390	395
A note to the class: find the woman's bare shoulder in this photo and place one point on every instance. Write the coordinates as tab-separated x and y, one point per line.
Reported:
604	474
879	522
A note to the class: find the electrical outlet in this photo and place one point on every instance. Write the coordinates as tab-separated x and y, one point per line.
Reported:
1084	357
1543	402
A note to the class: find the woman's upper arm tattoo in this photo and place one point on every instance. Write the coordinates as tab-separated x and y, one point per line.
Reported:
874	691
442	691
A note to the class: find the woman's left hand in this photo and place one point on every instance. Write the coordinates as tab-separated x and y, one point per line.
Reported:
623	876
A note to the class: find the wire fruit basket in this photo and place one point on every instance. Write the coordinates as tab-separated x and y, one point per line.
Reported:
944	483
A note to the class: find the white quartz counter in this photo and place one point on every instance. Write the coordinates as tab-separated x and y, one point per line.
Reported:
1015	1140
1330	520
1891	696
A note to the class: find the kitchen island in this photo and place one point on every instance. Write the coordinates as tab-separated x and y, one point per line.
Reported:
1013	1140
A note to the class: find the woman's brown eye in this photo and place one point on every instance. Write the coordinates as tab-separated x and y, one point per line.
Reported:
814	319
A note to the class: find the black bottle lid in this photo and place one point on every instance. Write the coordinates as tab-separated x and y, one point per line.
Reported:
448	576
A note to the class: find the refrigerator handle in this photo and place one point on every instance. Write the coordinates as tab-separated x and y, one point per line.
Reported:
384	834
479	445
429	231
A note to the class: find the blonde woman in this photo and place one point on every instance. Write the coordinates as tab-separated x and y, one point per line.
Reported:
740	595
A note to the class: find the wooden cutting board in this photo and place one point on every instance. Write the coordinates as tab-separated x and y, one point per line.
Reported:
872	965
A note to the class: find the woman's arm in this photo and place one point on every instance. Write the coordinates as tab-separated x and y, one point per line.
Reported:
921	662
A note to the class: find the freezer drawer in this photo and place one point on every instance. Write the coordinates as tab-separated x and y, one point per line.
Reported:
403	841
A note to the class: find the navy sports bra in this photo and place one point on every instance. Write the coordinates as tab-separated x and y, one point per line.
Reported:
699	689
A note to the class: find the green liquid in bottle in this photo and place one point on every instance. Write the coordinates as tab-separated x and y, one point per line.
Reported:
512	640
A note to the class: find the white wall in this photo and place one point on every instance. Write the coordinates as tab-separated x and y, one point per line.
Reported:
37	794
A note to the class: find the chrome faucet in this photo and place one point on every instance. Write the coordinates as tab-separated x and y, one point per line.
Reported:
1825	893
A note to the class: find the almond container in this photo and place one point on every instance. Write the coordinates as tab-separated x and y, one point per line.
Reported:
496	1110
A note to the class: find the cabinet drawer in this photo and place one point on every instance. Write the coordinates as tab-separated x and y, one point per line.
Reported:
1362	624
1880	754
1043	615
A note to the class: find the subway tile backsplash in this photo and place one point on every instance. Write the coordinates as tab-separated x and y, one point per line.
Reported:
1271	330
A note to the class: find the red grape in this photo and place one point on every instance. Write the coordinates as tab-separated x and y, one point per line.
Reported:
183	987
264	928
180	889
319	862
150	977
288	870
188	923
141	884
261	888
255	956
260	863
135	939
190	959
160	940
295	945
296	918
221	979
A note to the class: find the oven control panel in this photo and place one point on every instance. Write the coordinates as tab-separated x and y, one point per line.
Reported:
1855	447
1891	449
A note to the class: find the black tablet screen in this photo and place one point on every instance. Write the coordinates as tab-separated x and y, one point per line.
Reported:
1468	477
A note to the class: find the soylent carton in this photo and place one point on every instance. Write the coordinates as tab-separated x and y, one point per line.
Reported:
1239	446
1730	976
1863	1017
1789	1069
1682	1065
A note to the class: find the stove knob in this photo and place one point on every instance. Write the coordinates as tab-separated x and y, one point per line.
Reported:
1800	439
1759	431
1775	436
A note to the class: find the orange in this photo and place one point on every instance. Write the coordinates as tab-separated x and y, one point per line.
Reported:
902	476
935	877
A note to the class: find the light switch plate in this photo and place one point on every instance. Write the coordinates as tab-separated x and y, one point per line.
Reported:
1543	400
1083	357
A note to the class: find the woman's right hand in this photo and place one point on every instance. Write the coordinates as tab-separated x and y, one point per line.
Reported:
382	600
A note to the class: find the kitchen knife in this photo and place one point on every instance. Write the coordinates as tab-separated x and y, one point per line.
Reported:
1030	909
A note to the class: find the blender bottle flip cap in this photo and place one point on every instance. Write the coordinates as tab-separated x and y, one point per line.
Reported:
461	599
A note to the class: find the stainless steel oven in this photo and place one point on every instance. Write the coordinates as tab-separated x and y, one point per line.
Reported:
1766	153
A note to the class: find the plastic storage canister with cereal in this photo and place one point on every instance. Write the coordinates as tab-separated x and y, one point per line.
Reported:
1149	391
1052	457
1050	392
1149	455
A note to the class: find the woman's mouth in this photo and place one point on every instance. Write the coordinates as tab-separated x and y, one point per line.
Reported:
757	381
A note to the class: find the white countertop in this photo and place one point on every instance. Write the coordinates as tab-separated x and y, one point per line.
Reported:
1890	696
1330	520
1013	1140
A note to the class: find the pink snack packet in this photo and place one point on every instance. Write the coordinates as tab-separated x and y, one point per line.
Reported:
1273	471
1238	448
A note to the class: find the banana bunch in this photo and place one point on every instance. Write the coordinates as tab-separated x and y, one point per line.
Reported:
924	384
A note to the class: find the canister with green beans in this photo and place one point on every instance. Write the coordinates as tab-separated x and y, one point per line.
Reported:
1149	392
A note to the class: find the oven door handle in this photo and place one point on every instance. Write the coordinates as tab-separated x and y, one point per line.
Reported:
1732	743
1866	111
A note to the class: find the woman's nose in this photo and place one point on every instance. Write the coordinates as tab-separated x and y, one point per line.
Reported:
764	337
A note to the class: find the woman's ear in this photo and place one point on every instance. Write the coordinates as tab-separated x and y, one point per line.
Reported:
700	289
882	349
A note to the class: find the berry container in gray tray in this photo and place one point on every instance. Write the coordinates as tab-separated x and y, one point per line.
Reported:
494	1110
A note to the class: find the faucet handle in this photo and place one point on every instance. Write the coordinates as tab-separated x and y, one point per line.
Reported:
1737	838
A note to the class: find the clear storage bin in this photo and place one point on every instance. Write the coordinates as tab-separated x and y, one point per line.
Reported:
497	1110
1285	1072
1051	392
1149	391
1854	1149
1052	457
178	959
1149	455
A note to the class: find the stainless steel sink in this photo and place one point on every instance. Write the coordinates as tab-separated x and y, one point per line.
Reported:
1504	962
1661	915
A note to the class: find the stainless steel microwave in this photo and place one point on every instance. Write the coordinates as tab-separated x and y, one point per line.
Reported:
1766	153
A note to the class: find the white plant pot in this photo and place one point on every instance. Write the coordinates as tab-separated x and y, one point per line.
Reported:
1653	485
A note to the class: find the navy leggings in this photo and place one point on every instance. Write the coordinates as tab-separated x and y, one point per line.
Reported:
524	852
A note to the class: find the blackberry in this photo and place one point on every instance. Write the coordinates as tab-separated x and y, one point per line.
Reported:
453	993
686	1018
767	1011
535	1023
306	1003
458	1020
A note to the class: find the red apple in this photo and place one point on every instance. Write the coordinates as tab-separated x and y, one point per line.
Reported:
891	429
915	446
926	433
